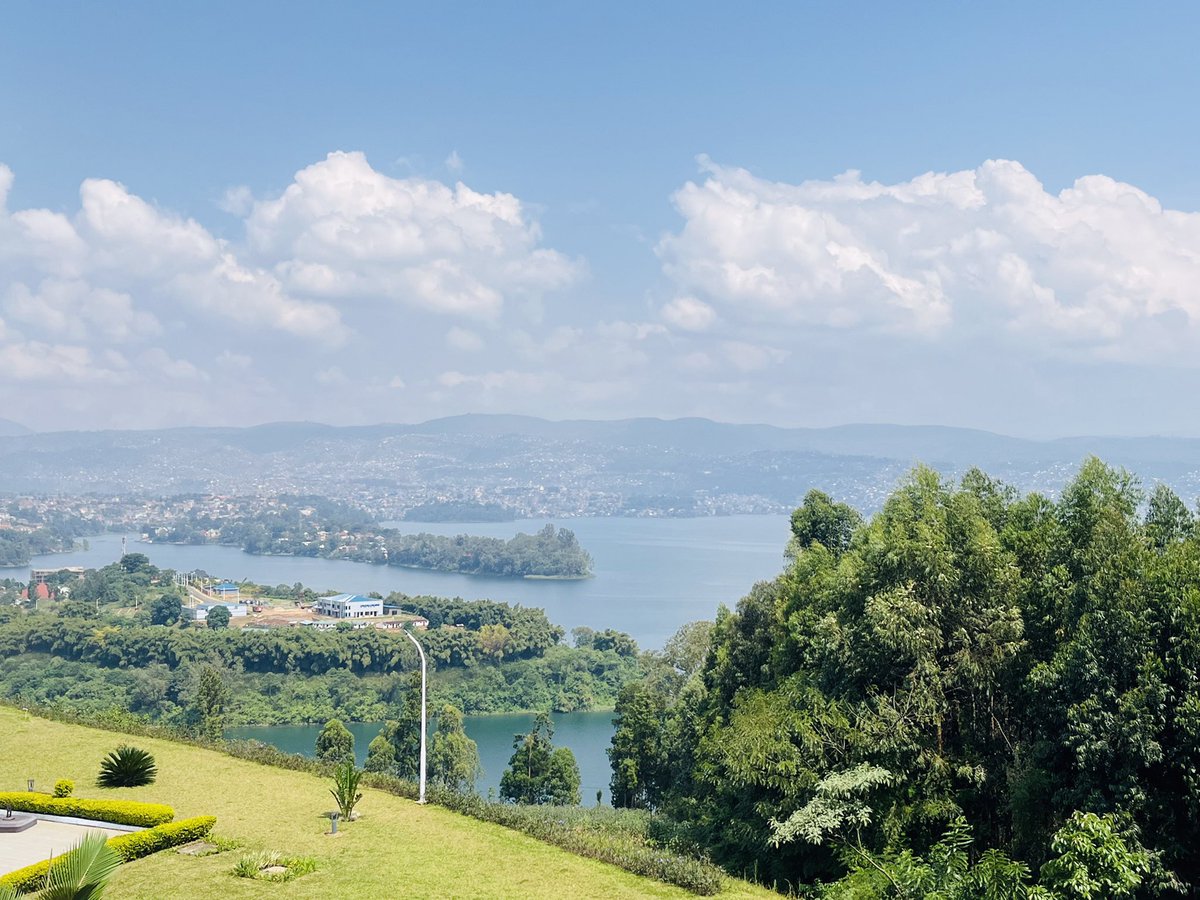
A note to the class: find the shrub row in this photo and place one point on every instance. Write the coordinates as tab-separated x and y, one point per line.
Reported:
29	879
121	812
128	846
142	843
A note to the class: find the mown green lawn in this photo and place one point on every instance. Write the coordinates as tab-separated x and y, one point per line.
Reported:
396	849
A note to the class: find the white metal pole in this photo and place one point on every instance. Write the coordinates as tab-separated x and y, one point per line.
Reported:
421	798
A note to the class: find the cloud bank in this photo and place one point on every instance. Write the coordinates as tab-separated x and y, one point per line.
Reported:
1100	268
351	295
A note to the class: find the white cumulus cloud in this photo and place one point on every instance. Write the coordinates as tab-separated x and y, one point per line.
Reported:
102	269
343	230
1099	268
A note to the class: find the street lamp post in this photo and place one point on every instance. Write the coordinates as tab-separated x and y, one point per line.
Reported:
420	651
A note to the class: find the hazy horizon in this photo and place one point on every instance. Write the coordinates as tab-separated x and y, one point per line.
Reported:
616	420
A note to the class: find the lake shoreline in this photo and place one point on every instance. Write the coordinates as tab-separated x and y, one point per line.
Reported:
651	575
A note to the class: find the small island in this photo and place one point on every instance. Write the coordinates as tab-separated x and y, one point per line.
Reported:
551	553
290	525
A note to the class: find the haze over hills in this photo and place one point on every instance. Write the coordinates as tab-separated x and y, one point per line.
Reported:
539	467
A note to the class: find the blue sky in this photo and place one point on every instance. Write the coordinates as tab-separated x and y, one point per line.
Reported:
598	294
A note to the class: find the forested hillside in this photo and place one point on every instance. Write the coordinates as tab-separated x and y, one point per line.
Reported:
974	694
118	644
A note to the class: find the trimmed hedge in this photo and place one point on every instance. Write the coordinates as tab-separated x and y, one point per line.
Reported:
120	812
137	844
28	879
128	846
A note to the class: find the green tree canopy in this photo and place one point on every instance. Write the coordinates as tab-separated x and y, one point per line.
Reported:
381	755
1027	667
538	772
453	757
166	610
335	743
212	699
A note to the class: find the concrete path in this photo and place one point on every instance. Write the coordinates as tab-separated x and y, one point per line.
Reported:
43	840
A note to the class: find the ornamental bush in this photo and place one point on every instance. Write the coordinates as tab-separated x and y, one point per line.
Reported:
121	812
64	787
127	767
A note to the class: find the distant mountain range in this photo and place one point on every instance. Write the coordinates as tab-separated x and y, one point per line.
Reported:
9	428
538	467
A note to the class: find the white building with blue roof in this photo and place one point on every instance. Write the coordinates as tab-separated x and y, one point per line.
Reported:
349	606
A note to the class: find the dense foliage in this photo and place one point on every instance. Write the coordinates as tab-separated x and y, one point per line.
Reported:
539	772
549	553
335	743
517	633
33	532
973	694
111	650
16	547
453	757
123	812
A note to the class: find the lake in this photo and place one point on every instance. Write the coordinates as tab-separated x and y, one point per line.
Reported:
587	734
651	575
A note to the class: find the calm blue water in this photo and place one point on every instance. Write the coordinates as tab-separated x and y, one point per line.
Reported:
652	575
587	734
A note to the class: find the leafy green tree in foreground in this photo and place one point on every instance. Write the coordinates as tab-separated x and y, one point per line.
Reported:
404	733
166	610
969	666
218	617
133	563
381	755
212	699
539	772
641	768
453	757
335	743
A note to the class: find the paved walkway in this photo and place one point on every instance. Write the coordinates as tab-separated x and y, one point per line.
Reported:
43	840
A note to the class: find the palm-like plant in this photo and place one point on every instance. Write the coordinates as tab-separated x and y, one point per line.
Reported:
127	767
345	790
81	873
7	893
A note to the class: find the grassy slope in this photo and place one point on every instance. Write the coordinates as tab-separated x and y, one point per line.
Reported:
396	849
